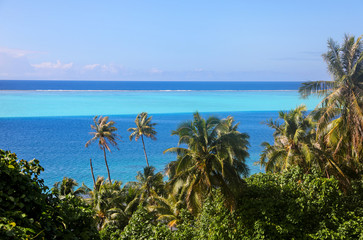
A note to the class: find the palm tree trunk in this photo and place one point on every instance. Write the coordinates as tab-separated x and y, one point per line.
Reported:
143	144
108	170
93	176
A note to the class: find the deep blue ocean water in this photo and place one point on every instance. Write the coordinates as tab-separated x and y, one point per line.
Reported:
142	85
53	126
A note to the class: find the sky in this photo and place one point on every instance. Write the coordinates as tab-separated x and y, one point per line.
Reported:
186	40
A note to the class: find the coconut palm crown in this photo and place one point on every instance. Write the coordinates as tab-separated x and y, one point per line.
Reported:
144	127
292	140
214	157
68	187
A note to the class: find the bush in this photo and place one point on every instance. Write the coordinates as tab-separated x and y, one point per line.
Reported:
216	221
186	229
142	225
28	211
291	205
294	205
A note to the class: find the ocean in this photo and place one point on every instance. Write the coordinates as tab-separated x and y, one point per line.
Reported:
50	120
142	85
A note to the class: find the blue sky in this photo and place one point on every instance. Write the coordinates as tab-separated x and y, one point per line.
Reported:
172	40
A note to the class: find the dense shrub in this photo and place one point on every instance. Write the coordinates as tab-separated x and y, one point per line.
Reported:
291	205
28	211
75	218
142	225
215	221
288	205
186	229
294	205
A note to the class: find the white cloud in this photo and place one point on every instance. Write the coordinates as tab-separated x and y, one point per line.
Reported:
156	70
16	53
50	65
13	67
91	66
111	68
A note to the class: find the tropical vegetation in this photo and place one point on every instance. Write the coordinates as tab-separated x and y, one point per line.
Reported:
144	127
312	188
104	132
67	187
214	157
329	138
292	140
28	210
339	117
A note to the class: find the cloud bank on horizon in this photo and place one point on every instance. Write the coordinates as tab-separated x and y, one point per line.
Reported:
170	41
15	65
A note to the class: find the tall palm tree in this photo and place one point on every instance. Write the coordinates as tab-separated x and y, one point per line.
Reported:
214	157
292	142
144	127
340	114
104	132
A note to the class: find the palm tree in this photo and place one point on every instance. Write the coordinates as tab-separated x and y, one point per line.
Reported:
214	157
168	209
292	142
144	127
340	114
108	203
295	143
67	187
149	185
150	182
104	132
327	163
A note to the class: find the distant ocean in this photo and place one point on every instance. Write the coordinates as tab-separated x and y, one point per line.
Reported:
50	120
143	85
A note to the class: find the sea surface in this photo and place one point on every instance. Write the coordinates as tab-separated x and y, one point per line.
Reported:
50	120
142	85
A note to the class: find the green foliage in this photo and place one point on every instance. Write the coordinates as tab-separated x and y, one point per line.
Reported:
142	225
67	187
108	201
28	211
150	183
110	232
105	133
294	205
216	221
23	208
339	116
292	142
214	158
77	219
144	127
186	229
288	205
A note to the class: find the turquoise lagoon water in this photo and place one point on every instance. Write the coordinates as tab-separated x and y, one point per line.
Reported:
86	103
53	126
